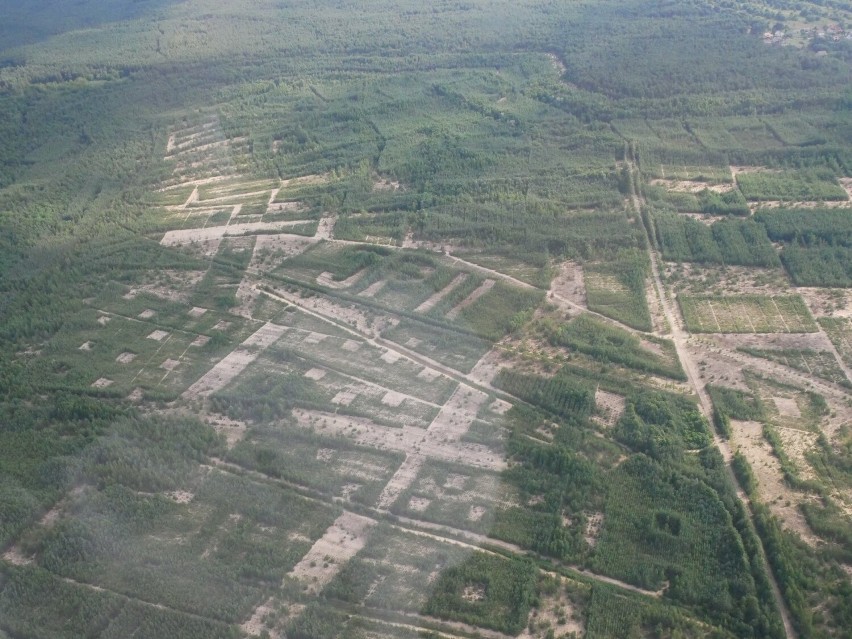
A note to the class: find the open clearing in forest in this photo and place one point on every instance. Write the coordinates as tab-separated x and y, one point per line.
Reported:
609	406
235	362
430	303
481	290
556	615
746	314
329	554
192	236
747	438
569	284
406	439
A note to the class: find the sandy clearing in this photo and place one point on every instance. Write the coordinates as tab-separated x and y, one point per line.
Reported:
390	357
342	541
787	406
456	416
569	284
401	480
189	236
428	374
385	184
103	320
481	290
689	186
344	397
610	406
594	524
325	228
330	310
199	341
125	358
797	443
196	312
555	615
373	288
85	346
15	557
327	279
407	439
393	399
351	346
782	500
271	250
170	364
233	430
147	314
419	504
102	382
180	496
315	374
235	362
488	367
500	407
430	303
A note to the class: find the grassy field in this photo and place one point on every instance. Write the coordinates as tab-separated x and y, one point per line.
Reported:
746	314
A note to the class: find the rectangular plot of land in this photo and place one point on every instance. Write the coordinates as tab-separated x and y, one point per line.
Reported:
315	374
343	539
481	290
747	314
125	358
235	362
344	398
158	336
430	303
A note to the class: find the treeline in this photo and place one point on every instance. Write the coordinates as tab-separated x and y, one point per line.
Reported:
734	242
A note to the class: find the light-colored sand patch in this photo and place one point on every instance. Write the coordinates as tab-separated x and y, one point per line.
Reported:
689	186
481	290
428	374
787	406
747	438
135	395
235	362
15	557
327	279
315	374
314	338
221	325
147	314
401	480
455	481
102	382
476	513
125	358
568	284
189	236
325	228
233	430
410	440
85	346
346	314
594	523
351	345
180	496
456	416
344	397
474	593
392	398
430	303
499	406
419	504
385	184
342	541
158	336
610	407
797	443
200	341
103	320
485	371
196	311
373	288
170	364
391	357
555	616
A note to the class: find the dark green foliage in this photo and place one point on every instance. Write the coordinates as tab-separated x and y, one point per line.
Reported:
736	404
606	343
735	242
661	425
500	592
813	185
558	395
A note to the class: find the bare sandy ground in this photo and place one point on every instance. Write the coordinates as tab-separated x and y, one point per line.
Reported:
456	416
611	407
782	500
487	368
343	539
689	186
401	480
188	236
325	228
327	279
555	612
407	439
430	303
481	290
373	289
235	362
569	284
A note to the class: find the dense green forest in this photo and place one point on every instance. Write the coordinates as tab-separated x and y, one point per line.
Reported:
262	263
